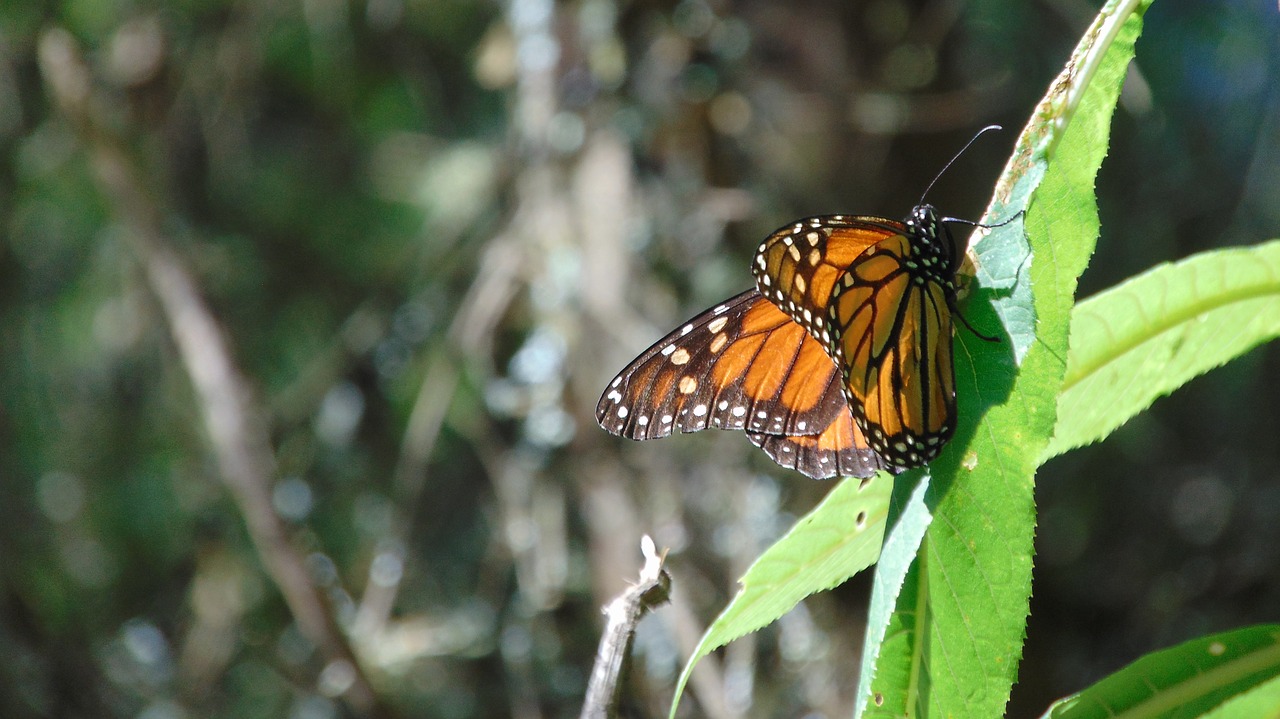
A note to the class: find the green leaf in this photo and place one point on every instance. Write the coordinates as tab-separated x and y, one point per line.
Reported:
953	639
1151	334
1189	680
840	537
896	582
1261	701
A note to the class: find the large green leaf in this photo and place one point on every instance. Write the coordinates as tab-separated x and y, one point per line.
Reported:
891	633
1150	335
952	639
1232	674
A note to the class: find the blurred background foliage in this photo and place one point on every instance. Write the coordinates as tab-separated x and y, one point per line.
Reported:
431	230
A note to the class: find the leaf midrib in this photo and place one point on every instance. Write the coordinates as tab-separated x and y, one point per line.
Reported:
1169	698
1165	324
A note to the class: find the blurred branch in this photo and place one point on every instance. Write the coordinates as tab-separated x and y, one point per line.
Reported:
652	590
358	336
501	273
495	284
237	436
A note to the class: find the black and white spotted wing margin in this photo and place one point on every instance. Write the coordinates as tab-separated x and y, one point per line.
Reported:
839	451
742	364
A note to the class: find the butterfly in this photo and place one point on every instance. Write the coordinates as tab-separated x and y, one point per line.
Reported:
838	363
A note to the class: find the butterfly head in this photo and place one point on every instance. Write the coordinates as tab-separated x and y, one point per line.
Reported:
931	245
924	220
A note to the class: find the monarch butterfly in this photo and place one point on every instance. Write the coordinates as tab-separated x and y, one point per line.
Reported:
837	363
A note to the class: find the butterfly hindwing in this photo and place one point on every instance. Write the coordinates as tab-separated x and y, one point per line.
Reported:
840	450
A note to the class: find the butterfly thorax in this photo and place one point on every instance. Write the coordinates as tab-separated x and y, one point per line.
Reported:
931	250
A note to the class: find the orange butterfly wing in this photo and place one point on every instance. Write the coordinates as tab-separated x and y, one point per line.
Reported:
742	365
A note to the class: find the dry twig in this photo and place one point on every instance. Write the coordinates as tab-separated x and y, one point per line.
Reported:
624	612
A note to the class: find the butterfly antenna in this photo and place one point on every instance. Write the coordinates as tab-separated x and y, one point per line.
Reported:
971	223
953	159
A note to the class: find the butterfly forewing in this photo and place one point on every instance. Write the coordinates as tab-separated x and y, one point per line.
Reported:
798	266
742	364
